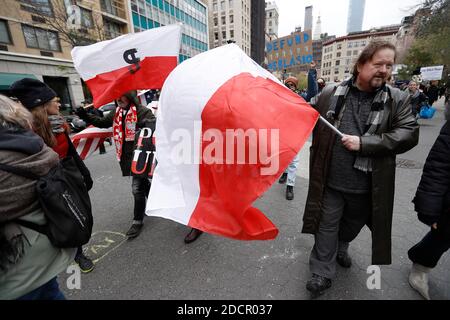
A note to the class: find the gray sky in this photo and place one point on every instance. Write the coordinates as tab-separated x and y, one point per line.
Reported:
334	14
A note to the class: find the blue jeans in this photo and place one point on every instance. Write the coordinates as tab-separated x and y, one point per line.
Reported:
48	291
292	170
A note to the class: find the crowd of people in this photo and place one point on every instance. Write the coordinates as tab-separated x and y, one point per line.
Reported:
351	185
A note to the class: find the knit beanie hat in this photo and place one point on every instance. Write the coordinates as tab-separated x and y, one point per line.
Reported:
31	92
293	80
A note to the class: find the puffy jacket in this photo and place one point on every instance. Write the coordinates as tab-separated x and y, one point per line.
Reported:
432	199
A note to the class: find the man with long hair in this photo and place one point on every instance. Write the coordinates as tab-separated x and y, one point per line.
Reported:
352	178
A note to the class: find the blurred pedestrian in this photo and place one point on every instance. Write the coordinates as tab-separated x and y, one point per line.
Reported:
290	175
418	99
432	93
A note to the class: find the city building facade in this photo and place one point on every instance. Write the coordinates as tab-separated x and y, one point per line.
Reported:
272	19
318	29
407	33
230	21
193	14
308	18
35	41
355	18
339	55
258	25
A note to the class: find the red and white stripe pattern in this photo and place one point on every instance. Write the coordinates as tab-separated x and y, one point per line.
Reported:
87	141
223	89
108	75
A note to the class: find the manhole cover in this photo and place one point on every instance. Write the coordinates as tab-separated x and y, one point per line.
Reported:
408	164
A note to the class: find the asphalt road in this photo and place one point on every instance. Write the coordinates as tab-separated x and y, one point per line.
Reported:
158	265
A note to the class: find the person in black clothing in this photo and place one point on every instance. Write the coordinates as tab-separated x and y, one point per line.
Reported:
432	204
432	93
441	91
418	98
128	117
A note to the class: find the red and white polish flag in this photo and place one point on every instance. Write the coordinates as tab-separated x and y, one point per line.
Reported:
86	142
135	61
201	179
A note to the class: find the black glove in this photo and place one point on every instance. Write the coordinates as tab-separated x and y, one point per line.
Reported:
81	112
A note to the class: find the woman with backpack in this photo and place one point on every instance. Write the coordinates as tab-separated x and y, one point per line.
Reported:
29	263
51	126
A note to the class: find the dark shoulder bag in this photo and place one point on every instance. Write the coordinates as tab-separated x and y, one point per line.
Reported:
65	201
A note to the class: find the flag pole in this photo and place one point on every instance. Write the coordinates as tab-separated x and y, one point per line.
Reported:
329	125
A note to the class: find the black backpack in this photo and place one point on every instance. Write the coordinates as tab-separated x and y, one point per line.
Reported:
65	201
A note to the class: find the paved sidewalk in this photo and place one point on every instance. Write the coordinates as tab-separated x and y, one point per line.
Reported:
158	265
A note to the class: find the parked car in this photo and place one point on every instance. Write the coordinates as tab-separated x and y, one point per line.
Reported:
107	108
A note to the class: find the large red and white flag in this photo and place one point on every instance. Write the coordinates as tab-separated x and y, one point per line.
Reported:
134	61
88	140
226	130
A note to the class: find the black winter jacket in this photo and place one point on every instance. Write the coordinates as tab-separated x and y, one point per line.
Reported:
432	200
143	115
418	102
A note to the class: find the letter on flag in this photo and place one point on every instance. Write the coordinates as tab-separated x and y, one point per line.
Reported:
226	130
134	61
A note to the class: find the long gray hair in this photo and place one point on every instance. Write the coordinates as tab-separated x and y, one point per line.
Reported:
14	114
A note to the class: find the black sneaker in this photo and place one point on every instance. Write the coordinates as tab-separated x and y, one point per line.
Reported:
283	178
86	264
344	260
318	284
134	230
289	193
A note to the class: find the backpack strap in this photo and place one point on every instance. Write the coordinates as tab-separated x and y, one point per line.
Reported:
19	171
33	226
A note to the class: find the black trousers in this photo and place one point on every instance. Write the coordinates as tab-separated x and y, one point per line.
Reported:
140	188
430	249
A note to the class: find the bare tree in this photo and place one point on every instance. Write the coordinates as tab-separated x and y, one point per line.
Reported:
63	18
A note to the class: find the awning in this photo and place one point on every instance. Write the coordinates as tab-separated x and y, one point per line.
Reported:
7	79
